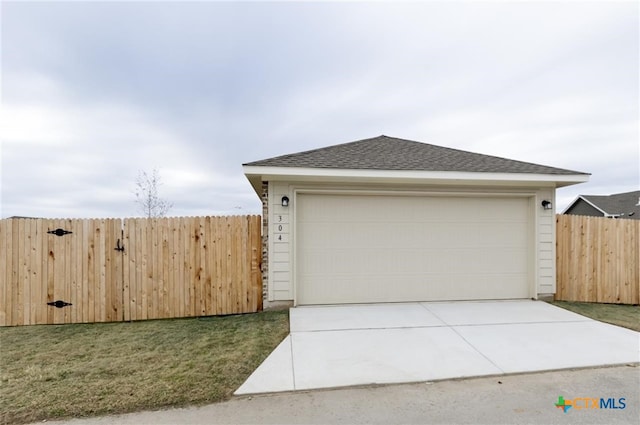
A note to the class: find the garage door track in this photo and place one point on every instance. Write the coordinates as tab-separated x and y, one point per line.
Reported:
346	345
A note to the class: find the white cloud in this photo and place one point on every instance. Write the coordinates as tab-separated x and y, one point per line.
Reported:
93	92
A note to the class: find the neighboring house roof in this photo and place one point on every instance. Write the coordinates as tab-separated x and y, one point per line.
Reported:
390	153
385	159
22	217
625	204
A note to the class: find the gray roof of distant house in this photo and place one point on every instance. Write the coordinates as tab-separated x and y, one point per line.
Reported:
617	203
390	153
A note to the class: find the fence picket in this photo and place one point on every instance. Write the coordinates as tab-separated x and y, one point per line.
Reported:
598	259
3	270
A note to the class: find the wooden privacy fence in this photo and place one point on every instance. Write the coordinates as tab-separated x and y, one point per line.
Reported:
598	259
111	270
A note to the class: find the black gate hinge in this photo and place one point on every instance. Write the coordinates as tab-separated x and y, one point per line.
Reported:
59	304
59	232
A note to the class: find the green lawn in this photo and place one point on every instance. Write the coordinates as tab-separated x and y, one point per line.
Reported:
59	371
627	316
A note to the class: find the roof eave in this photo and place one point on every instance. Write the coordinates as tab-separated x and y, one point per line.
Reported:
258	174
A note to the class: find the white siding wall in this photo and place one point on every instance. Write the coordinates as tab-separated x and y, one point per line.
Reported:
546	228
280	283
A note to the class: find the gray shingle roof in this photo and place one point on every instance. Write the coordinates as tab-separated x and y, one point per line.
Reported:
617	203
390	153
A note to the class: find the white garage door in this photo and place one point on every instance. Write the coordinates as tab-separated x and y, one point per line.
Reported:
355	249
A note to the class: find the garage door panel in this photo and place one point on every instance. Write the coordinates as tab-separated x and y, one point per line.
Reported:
393	248
480	287
368	261
338	288
412	235
452	235
340	234
391	263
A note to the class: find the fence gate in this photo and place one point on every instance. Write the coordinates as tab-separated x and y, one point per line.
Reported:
56	271
60	271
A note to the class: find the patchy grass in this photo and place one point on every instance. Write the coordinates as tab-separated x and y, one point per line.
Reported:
627	316
64	371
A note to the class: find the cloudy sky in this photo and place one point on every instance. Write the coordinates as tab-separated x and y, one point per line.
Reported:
94	92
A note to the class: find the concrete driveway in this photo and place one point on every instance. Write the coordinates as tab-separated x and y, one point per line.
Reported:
346	345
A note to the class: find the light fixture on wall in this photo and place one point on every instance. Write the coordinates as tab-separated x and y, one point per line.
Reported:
547	205
285	201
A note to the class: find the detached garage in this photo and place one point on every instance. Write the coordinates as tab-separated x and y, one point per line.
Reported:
392	220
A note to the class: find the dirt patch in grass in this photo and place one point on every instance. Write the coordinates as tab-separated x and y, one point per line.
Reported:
627	316
49	372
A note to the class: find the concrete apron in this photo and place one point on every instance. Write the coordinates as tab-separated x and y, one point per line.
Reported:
348	345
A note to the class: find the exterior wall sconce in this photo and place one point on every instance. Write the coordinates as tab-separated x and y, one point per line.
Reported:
547	205
285	201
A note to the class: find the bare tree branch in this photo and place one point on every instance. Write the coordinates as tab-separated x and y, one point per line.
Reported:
147	197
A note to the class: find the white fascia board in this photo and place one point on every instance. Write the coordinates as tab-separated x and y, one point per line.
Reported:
332	174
